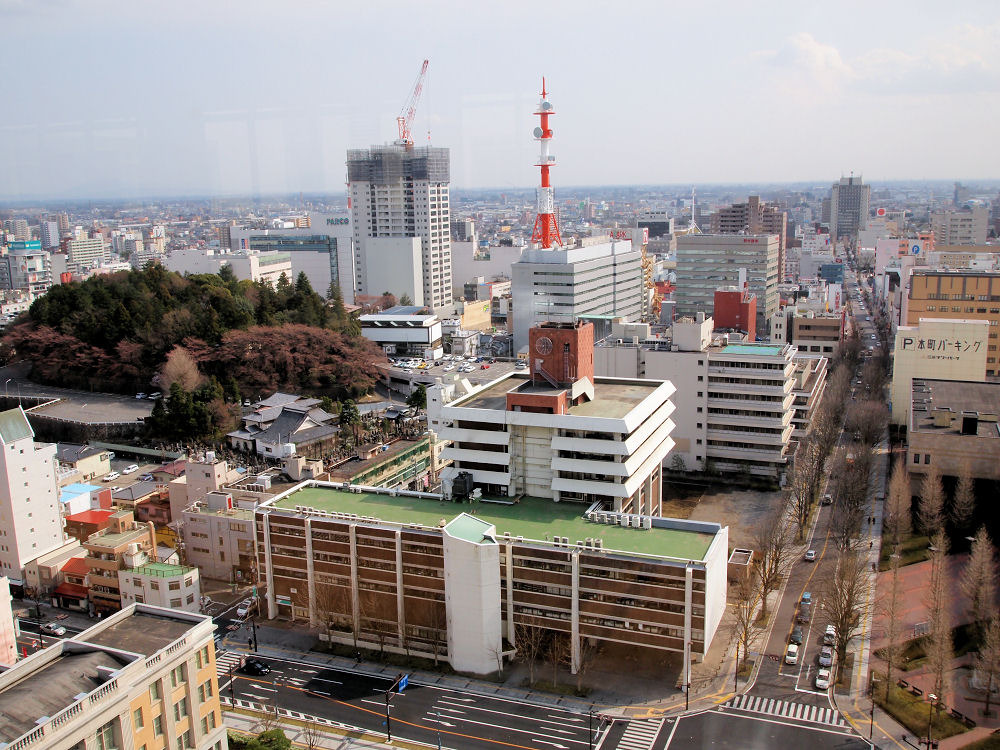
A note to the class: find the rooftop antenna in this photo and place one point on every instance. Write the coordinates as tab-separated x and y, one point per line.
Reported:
694	223
546	230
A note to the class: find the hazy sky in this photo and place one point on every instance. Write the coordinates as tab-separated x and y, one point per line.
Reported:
105	98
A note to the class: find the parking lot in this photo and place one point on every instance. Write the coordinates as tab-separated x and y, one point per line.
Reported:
404	373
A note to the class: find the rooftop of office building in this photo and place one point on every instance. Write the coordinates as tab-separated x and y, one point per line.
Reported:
613	398
955	407
145	631
529	517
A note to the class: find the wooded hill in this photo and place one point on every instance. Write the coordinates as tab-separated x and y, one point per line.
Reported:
116	332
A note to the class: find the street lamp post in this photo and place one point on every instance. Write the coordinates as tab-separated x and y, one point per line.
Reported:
930	711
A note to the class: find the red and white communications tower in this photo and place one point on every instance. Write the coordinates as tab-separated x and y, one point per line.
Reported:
546	230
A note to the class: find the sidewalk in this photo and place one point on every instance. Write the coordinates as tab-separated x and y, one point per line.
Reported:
327	740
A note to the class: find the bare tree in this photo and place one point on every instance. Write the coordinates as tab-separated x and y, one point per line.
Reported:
588	651
850	504
963	505
898	505
988	661
744	603
772	540
825	426
867	420
558	652
180	368
936	598
978	581
530	640
311	736
844	598
803	483
892	610
930	511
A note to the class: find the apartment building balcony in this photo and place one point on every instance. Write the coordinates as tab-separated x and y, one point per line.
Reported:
590	487
480	476
468	435
457	453
761	438
776	422
590	445
589	466
762	372
746	454
766	388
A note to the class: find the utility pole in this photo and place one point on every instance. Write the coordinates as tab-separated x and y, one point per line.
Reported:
399	684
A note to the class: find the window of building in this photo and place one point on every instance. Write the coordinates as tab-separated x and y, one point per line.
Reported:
174	586
202	657
154	691
208	723
177	676
927	458
175	603
158	725
699	425
699	410
205	691
184	740
916	458
700	392
155	585
701	378
180	709
137	719
106	737
698	441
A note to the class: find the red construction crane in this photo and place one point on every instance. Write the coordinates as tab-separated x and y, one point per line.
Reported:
409	109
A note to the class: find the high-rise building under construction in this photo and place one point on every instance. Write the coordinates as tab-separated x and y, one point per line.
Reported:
401	216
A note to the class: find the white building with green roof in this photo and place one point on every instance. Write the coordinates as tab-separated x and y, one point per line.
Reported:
30	521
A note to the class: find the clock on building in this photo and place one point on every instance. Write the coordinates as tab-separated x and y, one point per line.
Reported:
543	345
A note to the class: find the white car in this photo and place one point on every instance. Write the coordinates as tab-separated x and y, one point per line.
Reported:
53	628
449	368
792	654
823	679
810	556
130	469
112	476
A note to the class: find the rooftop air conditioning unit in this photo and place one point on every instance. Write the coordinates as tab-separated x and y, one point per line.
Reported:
647	522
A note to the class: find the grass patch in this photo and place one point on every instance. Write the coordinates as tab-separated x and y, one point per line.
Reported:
548	687
745	669
964	638
912	550
912	713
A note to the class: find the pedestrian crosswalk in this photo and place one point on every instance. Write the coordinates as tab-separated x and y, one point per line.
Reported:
224	660
787	709
640	734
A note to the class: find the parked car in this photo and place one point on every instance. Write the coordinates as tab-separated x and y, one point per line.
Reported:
804	613
830	636
130	469
155	395
827	500
826	656
807	597
796	636
246	607
140	396
53	628
484	367
792	654
810	556
254	666
823	679
112	476
146	478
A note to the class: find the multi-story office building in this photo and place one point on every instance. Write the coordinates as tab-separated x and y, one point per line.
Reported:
753	217
49	234
410	573
815	333
405	331
967	226
848	206
706	262
957	294
400	194
30	521
736	414
143	677
85	253
596	277
810	385
161	585
26	266
558	432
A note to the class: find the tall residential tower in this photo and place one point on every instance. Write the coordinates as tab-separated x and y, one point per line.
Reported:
402	222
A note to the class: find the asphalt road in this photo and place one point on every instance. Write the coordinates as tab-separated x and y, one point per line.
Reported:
422	713
721	729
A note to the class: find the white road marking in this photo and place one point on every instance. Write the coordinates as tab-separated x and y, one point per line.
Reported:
543	742
323	679
255	686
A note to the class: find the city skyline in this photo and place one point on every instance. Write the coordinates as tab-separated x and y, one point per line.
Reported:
114	100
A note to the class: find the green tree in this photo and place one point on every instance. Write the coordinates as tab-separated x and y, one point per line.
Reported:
406	299
350	417
418	397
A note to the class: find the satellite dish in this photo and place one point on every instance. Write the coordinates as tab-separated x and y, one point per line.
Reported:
546	106
537	132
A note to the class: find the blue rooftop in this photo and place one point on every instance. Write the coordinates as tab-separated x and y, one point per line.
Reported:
767	350
76	489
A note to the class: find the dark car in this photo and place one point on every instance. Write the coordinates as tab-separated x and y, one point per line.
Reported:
796	636
255	667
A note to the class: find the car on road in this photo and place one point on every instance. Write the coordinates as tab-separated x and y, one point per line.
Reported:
827	500
246	607
823	679
146	478
254	666
140	396
796	636
873	337
130	469
804	613
807	597
830	636
792	654
522	365
53	628
809	556
155	395
826	656
112	476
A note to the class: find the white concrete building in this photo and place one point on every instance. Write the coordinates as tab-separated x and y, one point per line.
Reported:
161	585
30	523
736	410
596	277
939	349
85	253
398	192
405	331
558	432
